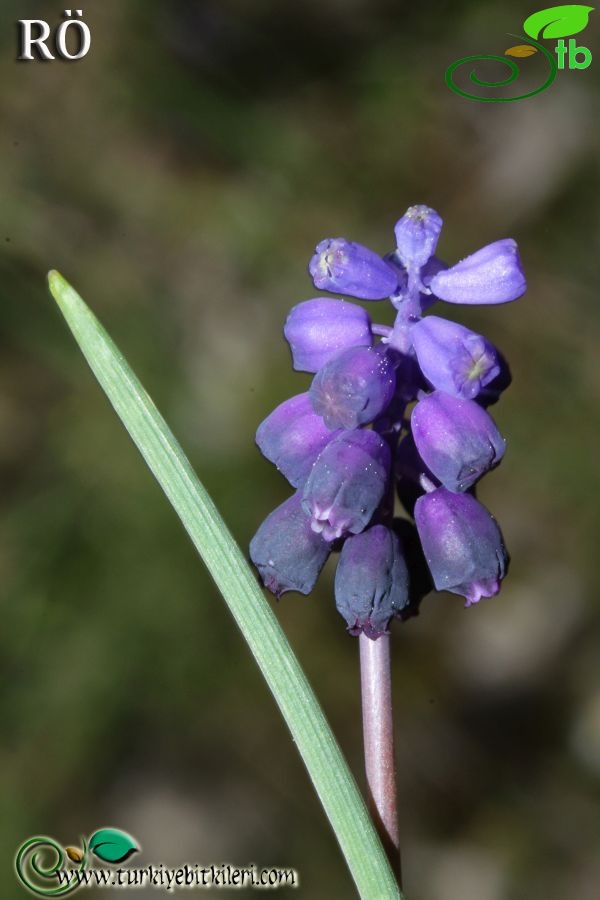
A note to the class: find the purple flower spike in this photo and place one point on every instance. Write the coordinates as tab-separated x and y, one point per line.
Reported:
347	483
353	388
417	234
340	442
292	437
318	329
347	268
371	581
462	543
453	358
286	551
491	275
456	438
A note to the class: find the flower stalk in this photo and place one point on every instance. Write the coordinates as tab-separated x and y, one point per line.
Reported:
378	737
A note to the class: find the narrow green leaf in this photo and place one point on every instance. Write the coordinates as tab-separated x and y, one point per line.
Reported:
558	21
316	743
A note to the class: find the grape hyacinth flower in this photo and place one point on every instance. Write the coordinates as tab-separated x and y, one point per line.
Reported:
318	329
371	580
347	483
353	388
391	409
456	439
462	543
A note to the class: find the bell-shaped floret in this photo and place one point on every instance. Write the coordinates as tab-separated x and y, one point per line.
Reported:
292	437
490	275
457	439
454	358
462	544
417	234
354	387
347	483
344	267
371	581
286	551
318	329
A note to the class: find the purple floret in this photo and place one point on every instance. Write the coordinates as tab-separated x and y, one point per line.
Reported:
457	439
318	329
454	358
462	543
348	268
292	437
371	581
417	234
347	483
353	388
491	275
287	552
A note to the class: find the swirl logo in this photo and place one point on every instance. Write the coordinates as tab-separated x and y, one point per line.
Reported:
49	870
555	22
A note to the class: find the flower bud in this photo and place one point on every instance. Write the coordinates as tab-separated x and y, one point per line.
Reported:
318	329
286	551
417	234
453	358
353	388
371	581
292	437
456	438
347	268
347	483
462	543
491	275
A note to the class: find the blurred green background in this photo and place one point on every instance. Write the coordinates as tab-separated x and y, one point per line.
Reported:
180	176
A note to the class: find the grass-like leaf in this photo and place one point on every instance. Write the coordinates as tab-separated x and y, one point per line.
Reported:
314	739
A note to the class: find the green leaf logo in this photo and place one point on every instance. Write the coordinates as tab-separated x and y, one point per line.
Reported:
558	21
112	845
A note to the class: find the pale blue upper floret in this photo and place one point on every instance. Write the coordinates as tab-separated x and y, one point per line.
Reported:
454	358
318	329
491	275
344	267
417	234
